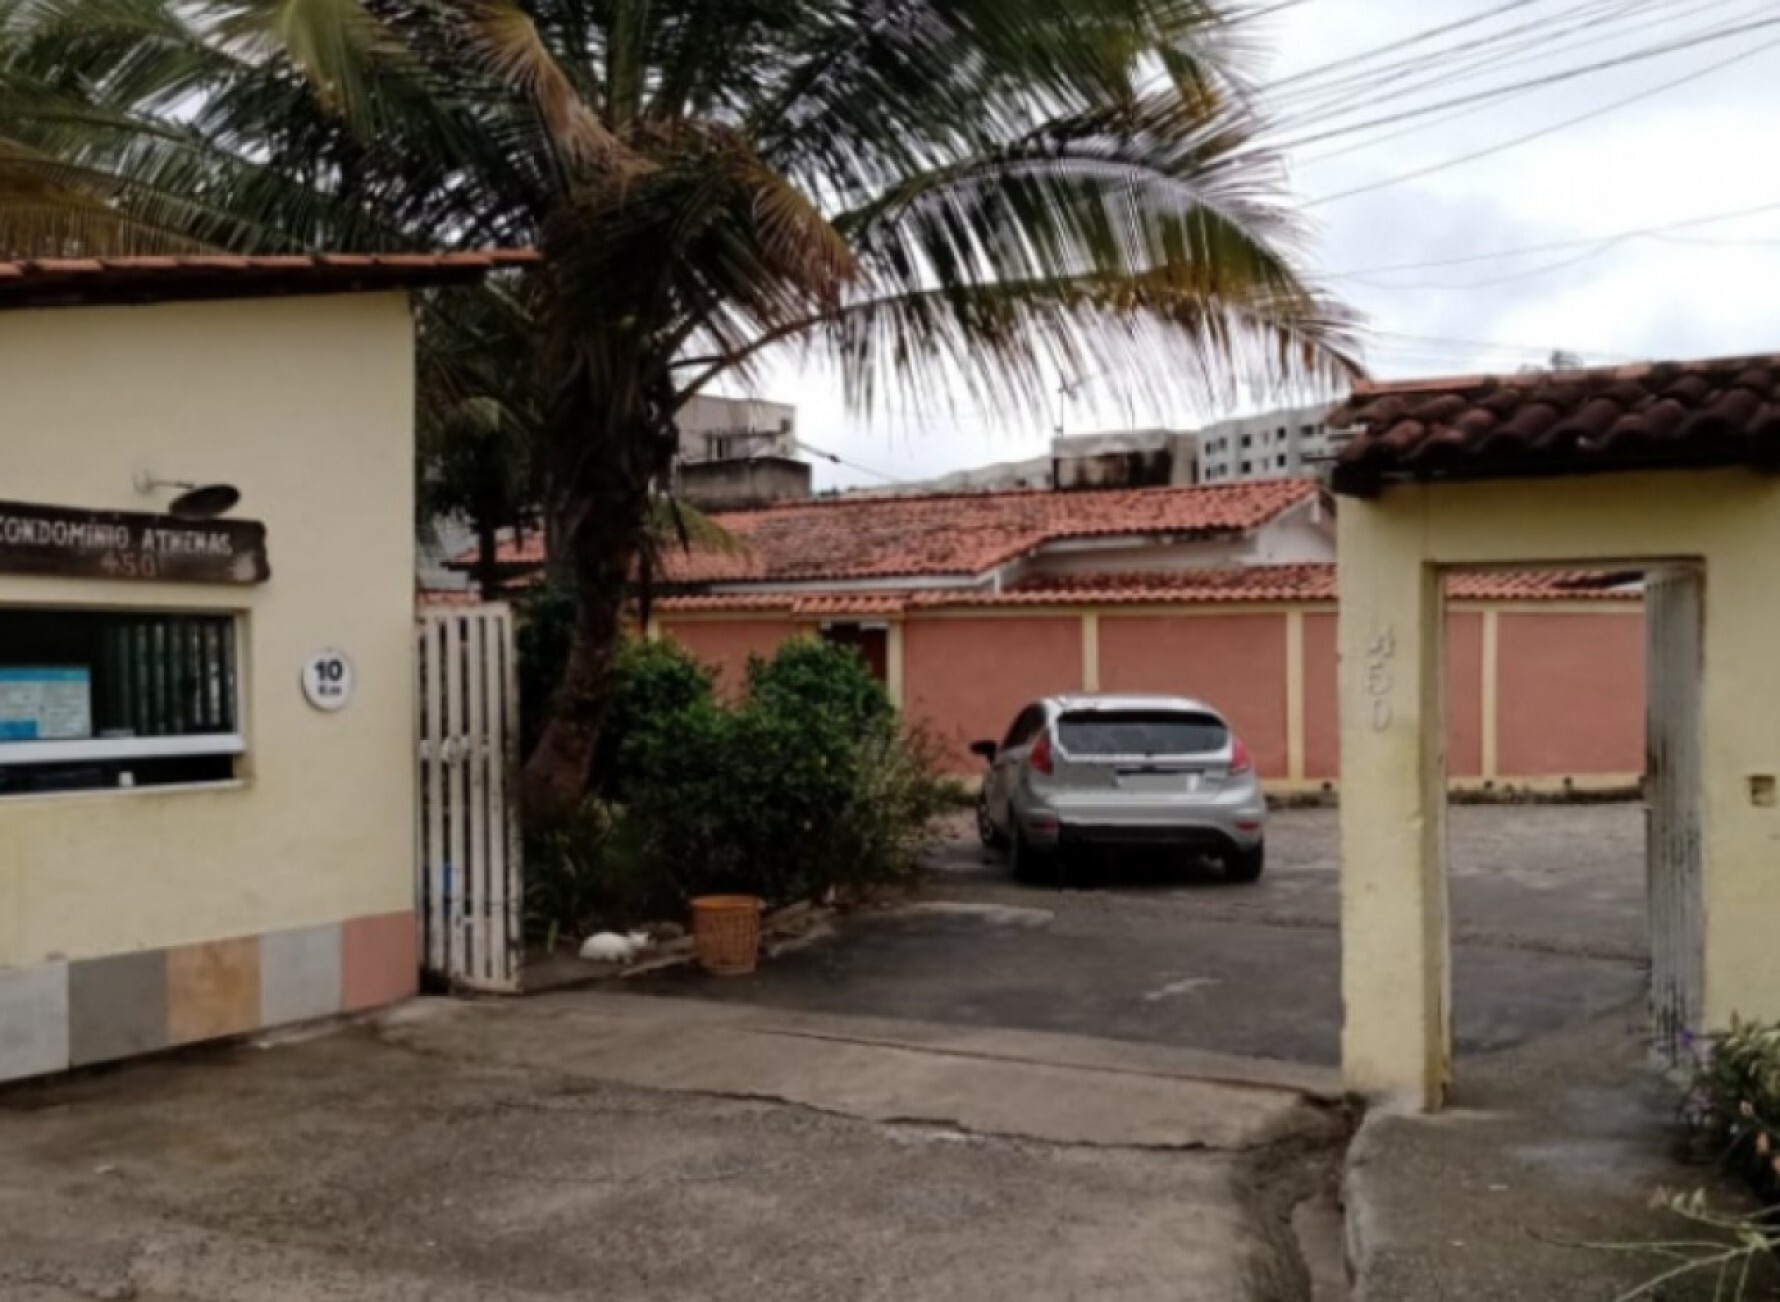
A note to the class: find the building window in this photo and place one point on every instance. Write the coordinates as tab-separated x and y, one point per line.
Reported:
92	700
1248	440
1248	468
1282	458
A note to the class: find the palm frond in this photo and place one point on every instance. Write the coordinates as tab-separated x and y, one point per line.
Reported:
507	38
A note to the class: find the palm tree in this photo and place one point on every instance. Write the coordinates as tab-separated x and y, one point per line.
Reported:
941	196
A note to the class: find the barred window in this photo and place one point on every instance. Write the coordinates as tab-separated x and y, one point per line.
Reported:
118	699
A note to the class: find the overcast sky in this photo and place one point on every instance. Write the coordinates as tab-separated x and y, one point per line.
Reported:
1693	150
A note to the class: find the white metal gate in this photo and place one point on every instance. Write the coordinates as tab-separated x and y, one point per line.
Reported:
1674	850
470	889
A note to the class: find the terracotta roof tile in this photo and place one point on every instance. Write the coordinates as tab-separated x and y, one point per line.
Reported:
962	535
47	282
1232	585
1723	411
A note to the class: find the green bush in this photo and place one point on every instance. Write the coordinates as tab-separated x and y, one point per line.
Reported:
1733	1107
650	679
653	683
584	872
545	622
806	785
810	677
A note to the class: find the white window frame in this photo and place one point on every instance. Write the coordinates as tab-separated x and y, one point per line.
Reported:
14	753
19	754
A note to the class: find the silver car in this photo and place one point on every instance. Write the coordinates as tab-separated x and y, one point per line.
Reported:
1086	771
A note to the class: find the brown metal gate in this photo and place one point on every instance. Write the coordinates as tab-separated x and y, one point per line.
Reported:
1674	848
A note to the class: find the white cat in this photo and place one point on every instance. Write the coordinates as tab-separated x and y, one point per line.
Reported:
610	947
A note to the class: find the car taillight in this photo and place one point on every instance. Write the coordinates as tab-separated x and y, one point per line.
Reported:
1039	757
1240	760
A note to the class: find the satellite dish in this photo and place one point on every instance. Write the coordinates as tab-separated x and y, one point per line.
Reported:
204	503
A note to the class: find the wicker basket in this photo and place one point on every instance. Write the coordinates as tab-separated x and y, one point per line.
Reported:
726	932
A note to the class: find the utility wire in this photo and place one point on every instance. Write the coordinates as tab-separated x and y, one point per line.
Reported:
1463	61
1550	79
1480	345
1557	246
1542	132
851	465
1473	109
1416	38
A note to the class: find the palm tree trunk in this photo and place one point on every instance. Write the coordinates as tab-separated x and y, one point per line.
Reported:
603	551
599	514
488	570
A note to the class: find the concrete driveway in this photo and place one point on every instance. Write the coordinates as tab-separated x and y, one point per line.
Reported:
1548	915
907	1144
589	1145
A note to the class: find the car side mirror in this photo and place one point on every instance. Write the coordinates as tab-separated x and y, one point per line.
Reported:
987	749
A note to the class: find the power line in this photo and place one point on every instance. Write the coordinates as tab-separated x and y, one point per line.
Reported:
1507	278
1552	129
1545	51
851	465
1550	79
1460	62
1415	38
1557	246
1483	345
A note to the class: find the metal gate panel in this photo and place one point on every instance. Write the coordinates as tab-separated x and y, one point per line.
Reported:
469	868
1674	842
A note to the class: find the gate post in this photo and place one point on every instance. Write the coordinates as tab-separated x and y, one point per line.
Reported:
1396	986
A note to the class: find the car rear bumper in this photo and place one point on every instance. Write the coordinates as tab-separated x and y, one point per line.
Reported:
1117	835
1241	830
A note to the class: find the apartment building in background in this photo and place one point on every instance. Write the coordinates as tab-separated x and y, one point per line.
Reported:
714	428
1285	444
737	453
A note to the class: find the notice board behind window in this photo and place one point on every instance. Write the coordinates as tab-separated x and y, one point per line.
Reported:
95	699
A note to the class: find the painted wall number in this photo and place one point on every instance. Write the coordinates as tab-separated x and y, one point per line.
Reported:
328	680
1380	651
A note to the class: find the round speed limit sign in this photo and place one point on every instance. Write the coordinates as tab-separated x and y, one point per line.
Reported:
327	680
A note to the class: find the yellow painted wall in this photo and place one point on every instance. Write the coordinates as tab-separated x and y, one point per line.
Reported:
1394	923
306	405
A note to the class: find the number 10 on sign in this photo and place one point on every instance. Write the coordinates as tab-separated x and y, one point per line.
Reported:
328	680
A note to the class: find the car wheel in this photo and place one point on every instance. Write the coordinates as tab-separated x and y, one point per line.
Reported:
986	831
1034	867
1246	865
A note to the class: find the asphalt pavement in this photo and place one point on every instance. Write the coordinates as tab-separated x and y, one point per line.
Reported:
1548	924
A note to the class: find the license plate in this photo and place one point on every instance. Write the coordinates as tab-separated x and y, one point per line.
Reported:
1161	783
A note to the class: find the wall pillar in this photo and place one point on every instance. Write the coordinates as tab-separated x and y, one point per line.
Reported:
1489	717
893	671
1396	993
1295	767
1091	652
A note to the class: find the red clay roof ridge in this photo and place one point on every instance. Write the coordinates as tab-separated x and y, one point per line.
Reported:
964	495
1526	379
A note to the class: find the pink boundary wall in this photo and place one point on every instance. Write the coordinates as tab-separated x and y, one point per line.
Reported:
1236	663
967	678
1570	694
726	644
1569	683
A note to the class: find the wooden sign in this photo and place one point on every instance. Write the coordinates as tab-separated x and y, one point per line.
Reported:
56	540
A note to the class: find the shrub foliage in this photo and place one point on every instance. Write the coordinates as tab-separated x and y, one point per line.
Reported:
808	783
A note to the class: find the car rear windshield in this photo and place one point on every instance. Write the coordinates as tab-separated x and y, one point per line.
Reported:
1141	732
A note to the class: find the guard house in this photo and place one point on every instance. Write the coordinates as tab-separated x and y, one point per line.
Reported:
207	807
1666	471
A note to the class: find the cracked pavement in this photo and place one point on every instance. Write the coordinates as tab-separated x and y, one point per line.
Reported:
588	1144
